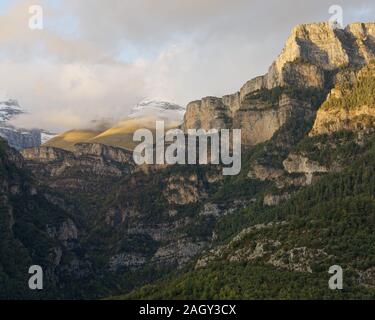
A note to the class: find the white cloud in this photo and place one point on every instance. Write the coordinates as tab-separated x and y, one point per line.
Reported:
55	93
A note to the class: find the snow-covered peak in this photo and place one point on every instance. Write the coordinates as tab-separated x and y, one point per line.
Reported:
45	136
159	105
158	110
9	109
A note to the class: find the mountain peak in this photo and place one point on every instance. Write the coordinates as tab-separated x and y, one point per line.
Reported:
158	110
311	50
329	48
311	55
156	104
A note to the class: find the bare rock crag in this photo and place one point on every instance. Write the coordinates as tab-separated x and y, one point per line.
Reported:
312	53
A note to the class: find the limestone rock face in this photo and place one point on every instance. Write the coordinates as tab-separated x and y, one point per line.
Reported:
83	153
310	52
177	253
259	126
301	164
64	169
327	48
232	101
297	259
119	155
258	120
318	47
363	37
297	163
251	86
329	121
317	43
259	123
301	75
208	113
350	105
44	154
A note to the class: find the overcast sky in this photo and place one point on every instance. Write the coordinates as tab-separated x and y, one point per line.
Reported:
95	59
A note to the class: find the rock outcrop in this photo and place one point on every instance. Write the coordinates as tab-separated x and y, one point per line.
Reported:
350	105
177	253
98	158
296	163
124	260
319	47
275	199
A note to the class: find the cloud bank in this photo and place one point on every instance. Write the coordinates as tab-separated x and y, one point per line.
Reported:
95	59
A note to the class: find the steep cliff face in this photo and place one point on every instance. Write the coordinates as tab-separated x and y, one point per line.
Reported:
321	48
312	54
208	113
83	153
259	122
350	105
80	169
257	117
